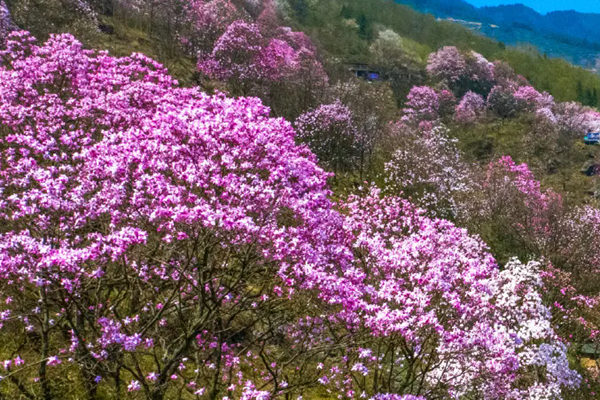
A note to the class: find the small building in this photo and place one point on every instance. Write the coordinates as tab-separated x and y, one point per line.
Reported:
364	71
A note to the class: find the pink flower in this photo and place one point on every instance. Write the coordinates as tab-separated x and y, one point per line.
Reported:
471	107
153	376
423	105
54	360
134	386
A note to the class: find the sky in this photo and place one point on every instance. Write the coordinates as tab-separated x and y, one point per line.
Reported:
544	6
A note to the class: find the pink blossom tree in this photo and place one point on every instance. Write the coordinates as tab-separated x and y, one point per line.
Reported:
470	108
480	76
330	132
235	55
415	291
447	65
529	99
281	69
423	105
372	105
461	72
574	120
152	233
204	21
541	351
429	169
512	211
301	82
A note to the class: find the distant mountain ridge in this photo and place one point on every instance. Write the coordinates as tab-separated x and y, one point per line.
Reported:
570	27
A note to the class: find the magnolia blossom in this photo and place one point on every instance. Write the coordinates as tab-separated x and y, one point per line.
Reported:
461	72
447	64
546	115
480	68
573	119
134	386
530	99
246	58
429	168
204	22
235	53
471	107
331	134
423	105
415	289
539	347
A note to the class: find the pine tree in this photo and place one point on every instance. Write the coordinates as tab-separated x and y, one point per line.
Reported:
365	28
300	9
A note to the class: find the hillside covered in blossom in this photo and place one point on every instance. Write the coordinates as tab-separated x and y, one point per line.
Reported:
291	199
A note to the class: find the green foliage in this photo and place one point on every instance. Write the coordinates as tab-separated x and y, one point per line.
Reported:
300	9
586	97
401	61
129	38
555	161
43	17
553	75
365	28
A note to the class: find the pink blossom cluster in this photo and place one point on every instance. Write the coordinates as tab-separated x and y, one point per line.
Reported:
532	100
481	70
514	190
429	169
245	57
235	53
540	349
331	133
574	119
447	64
204	22
416	288
471	107
461	72
423	105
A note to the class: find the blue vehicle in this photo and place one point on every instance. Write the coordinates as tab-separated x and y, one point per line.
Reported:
592	138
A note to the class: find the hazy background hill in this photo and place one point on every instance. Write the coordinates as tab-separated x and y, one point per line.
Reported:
571	35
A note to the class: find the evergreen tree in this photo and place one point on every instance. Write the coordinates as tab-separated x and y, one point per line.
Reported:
346	12
300	9
365	27
580	92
